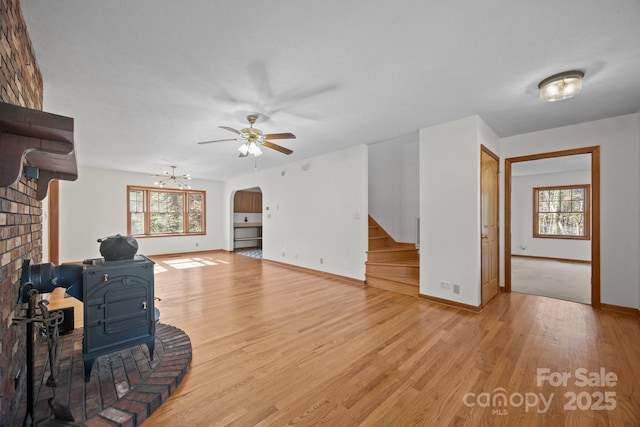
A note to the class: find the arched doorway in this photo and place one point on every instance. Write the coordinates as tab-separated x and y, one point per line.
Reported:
247	222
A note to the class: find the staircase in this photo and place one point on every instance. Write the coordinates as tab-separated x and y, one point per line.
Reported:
391	265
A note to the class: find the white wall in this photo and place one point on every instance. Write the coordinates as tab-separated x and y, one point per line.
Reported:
394	196
619	141
522	218
450	207
312	209
45	229
95	206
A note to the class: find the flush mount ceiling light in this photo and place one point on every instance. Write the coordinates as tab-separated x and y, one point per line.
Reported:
168	178
561	86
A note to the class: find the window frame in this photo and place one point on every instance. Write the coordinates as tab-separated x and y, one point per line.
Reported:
586	212
147	211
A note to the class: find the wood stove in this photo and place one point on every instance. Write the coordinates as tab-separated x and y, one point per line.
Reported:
117	292
119	308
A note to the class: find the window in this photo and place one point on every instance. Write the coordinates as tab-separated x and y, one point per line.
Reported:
561	212
162	212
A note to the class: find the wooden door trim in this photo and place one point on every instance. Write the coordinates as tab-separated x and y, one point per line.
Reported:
489	152
53	207
595	213
493	155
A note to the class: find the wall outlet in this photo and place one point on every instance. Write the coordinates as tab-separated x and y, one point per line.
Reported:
321	261
445	285
456	289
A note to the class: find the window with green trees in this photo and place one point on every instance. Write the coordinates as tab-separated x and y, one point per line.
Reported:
162	212
561	212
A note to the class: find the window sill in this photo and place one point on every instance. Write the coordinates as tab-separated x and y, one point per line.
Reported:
147	236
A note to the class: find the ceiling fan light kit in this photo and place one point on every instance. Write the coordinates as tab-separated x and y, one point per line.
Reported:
249	148
561	86
253	138
168	178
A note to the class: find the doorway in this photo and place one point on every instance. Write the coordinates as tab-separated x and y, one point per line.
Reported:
489	217
247	222
556	266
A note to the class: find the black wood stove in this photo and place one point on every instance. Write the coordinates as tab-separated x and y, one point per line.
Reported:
118	307
118	295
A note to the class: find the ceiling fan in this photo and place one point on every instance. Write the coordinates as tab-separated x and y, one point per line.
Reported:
252	138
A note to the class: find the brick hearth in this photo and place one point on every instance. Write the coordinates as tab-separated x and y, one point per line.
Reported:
124	388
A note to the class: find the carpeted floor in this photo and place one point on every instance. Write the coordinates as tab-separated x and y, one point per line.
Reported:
125	386
568	281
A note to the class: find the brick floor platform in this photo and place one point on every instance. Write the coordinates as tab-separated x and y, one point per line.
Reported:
125	386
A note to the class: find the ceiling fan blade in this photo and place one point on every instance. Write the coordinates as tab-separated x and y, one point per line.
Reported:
230	129
286	135
273	146
217	140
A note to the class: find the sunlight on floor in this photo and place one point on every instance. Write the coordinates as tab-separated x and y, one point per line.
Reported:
157	269
183	263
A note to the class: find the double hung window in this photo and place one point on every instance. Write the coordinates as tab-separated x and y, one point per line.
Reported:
163	212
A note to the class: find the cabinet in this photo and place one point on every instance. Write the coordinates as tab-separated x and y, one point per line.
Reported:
247	202
247	235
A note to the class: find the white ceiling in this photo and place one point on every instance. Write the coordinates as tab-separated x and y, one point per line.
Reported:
146	79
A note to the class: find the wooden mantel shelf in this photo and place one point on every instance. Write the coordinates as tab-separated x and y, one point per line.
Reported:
44	140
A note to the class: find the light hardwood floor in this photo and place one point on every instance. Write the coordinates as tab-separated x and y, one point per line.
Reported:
279	346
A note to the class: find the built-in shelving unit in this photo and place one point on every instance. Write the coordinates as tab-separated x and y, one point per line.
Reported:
253	234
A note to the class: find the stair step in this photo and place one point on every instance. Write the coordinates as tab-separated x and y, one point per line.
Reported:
377	242
392	245
395	284
374	230
405	280
389	254
402	268
391	265
398	262
397	248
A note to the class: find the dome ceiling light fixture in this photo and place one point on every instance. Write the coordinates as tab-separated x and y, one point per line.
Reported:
561	86
167	177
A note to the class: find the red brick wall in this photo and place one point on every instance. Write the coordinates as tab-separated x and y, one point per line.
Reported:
20	213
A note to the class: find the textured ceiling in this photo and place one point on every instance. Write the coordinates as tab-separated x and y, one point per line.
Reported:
145	80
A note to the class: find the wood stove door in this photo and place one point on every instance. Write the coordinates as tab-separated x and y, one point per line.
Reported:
118	311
